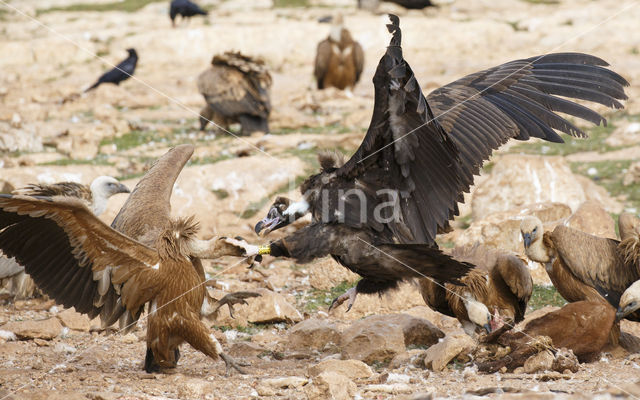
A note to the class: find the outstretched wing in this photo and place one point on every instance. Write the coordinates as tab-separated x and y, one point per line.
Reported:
72	189
73	256
429	150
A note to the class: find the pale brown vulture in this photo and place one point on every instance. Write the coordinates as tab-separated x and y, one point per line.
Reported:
95	195
236	88
500	282
378	213
584	267
79	261
339	59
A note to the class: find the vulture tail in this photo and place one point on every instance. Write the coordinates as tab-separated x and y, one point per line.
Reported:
423	261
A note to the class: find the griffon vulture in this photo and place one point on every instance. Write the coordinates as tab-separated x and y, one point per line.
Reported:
95	196
236	89
79	261
500	282
120	72
585	267
378	213
339	58
184	8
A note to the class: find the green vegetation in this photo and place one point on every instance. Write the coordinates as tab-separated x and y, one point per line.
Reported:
321	299
124	5
545	296
99	160
250	329
220	193
609	174
290	3
133	139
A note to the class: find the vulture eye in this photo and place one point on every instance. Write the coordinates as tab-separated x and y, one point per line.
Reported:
534	229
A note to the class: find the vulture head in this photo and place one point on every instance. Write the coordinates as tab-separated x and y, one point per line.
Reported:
132	52
630	301
102	188
532	232
478	313
283	211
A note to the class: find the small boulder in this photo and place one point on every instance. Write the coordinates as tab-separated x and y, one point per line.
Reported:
326	273
352	369
331	385
313	333
439	355
74	320
565	360
245	349
194	388
43	329
270	307
284	382
542	361
592	218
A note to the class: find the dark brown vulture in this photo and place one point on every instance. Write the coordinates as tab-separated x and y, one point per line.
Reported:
339	59
236	89
79	261
585	267
378	213
500	284
95	196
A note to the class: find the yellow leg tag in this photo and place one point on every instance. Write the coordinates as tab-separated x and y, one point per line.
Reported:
265	249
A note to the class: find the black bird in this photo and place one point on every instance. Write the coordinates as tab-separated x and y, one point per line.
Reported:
402	186
121	72
184	8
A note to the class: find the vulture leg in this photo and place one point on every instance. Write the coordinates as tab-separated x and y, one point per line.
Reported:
232	299
206	115
251	123
348	295
364	285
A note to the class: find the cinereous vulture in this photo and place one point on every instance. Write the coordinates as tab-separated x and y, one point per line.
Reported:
236	89
378	213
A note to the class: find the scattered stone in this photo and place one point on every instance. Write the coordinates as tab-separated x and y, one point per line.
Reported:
439	355
270	307
542	361
246	349
313	333
326	273
565	361
331	385
43	329
64	348
7	336
593	219
193	388
285	382
74	320
352	369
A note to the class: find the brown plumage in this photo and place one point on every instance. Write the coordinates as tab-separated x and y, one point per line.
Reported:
339	59
585	267
500	281
79	261
236	88
420	155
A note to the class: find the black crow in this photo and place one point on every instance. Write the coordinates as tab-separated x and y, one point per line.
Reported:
184	8
121	72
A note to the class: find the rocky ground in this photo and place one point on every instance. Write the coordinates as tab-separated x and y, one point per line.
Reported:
49	131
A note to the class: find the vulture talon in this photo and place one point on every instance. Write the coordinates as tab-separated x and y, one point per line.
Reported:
231	363
234	298
348	295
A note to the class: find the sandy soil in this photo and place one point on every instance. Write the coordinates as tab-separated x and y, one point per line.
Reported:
49	60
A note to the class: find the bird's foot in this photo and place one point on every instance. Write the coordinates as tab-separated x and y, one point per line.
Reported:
232	299
231	363
348	295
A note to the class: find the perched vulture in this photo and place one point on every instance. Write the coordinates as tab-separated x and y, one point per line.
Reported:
500	281
121	72
585	267
184	8
95	196
339	59
236	89
378	213
629	301
79	261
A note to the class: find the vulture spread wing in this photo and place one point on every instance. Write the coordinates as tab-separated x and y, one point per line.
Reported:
72	189
73	256
596	261
428	149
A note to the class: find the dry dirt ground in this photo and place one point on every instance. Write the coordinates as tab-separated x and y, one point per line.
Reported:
50	132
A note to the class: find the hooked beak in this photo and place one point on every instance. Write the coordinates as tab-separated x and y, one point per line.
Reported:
487	327
122	188
626	310
527	239
274	220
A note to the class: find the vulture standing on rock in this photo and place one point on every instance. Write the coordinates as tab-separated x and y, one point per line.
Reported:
236	89
184	8
339	59
79	261
585	267
121	72
378	213
500	286
95	196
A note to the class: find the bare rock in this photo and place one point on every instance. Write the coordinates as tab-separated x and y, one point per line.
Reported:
326	273
542	361
270	307
352	369
439	355
381	337
74	320
593	191
625	135
313	333
331	385
246	349
194	388
285	382
592	218
43	329
564	360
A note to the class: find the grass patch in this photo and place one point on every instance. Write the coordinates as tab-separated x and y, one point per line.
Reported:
100	160
124	5
133	139
321	299
609	174
545	296
290	3
250	329
220	193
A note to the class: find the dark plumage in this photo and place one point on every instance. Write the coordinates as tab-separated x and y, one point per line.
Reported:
236	89
121	72
410	4
420	154
184	8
